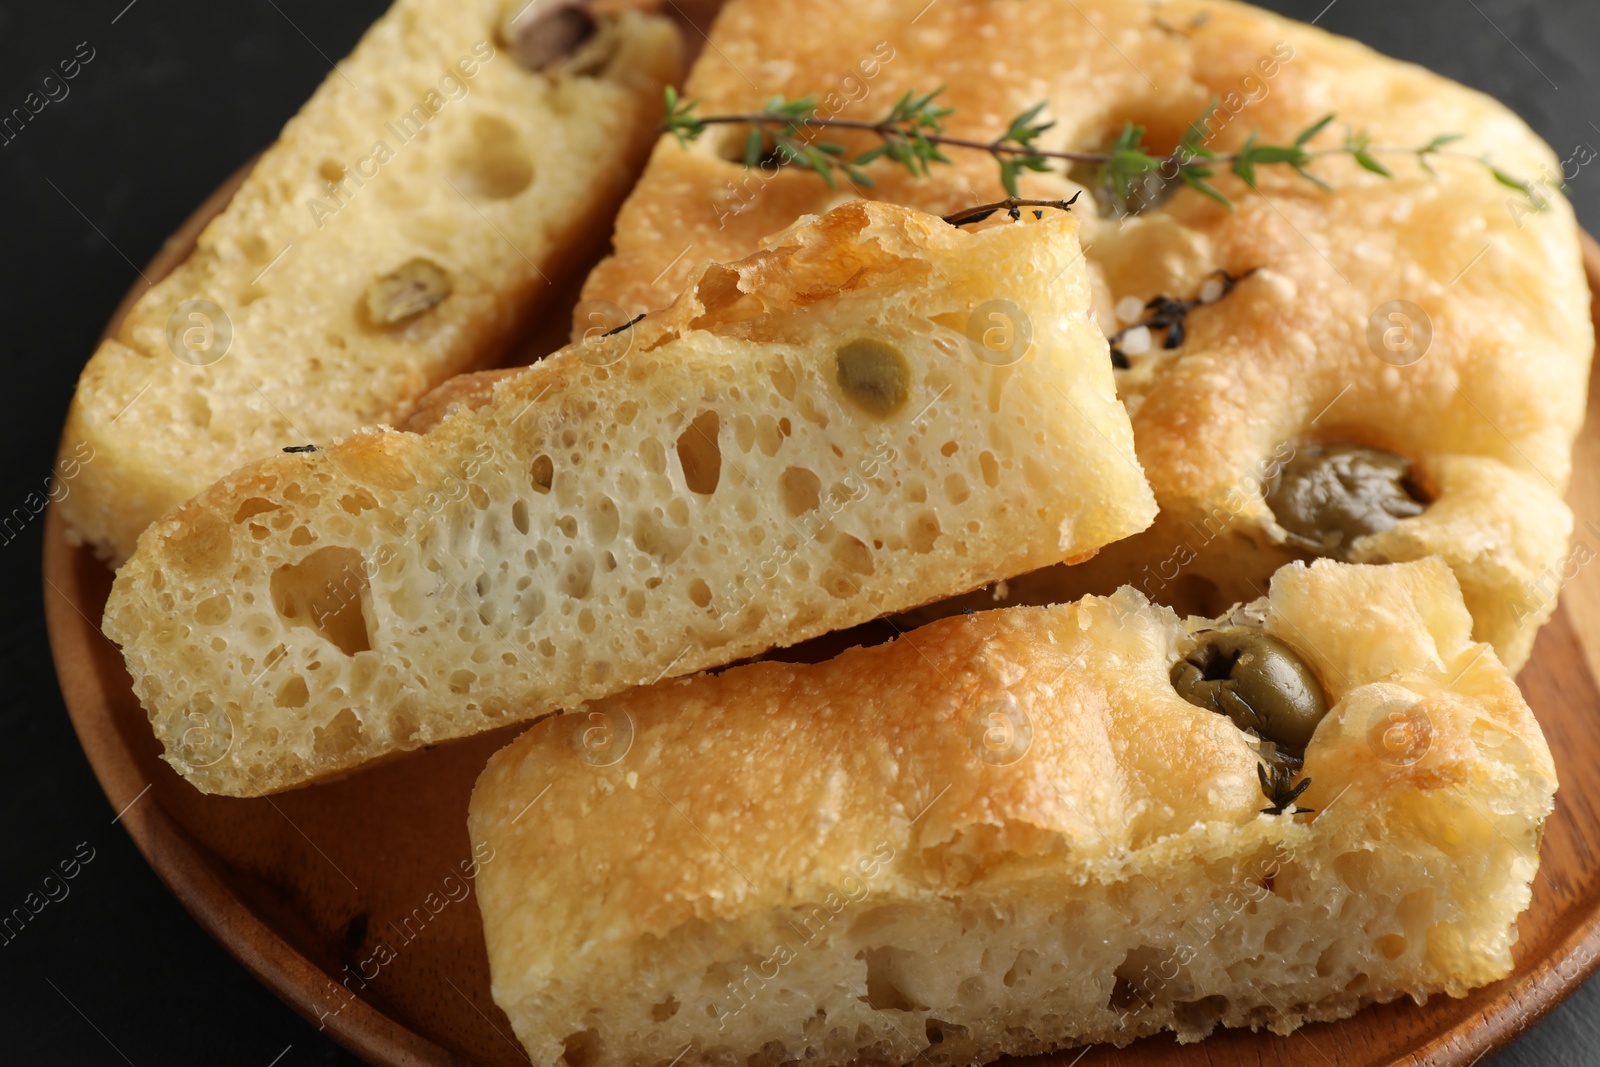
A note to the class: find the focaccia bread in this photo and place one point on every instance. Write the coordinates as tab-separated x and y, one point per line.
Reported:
406	224
1482	391
804	441
1007	833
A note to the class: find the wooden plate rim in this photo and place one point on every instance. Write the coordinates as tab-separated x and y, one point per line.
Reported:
204	890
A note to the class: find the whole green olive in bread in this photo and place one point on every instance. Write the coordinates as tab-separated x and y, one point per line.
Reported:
1329	496
1257	681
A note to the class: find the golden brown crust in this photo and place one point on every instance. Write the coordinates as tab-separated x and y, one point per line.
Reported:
1287	355
464	392
1117	759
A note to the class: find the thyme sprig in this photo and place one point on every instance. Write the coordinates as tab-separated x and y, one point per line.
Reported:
912	135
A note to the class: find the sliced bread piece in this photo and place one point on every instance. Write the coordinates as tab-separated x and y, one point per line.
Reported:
406	223
806	440
1007	833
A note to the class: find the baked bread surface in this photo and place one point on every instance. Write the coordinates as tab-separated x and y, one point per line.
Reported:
1006	833
428	143
1289	357
691	490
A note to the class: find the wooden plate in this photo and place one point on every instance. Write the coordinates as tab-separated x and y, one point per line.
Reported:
301	886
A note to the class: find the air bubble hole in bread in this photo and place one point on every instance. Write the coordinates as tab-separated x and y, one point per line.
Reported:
805	441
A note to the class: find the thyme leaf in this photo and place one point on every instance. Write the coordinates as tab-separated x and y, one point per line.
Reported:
1277	786
1169	316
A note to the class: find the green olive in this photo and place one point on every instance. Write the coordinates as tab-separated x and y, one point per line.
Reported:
1328	496
873	374
1255	680
409	290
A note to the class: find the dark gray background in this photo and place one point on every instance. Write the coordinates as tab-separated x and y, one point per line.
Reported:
179	93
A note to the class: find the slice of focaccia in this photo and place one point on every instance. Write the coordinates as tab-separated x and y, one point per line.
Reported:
1436	318
405	225
807	439
1007	833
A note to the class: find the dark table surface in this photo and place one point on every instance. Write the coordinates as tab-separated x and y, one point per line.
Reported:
179	93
